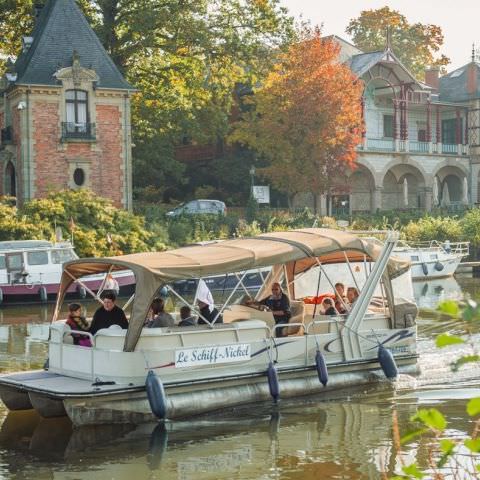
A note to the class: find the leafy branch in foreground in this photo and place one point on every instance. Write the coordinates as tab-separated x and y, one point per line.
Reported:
460	456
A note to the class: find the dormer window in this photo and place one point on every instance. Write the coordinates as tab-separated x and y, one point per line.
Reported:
77	123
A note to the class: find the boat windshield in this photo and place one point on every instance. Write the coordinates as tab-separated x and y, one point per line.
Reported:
62	255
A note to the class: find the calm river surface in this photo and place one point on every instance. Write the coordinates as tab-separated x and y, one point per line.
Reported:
347	435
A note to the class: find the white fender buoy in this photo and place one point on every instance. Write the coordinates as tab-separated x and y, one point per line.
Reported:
82	293
42	291
273	383
439	266
387	362
321	368
156	395
425	268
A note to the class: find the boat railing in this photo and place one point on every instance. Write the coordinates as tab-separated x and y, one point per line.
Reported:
459	248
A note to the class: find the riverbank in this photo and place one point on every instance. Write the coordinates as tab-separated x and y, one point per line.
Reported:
97	228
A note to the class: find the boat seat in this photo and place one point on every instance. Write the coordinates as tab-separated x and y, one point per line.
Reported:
240	313
297	309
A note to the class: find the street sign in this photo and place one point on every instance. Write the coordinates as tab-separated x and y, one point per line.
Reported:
261	193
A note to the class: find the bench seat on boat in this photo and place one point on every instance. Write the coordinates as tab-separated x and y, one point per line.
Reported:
171	337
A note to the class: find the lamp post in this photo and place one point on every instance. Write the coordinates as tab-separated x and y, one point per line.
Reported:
252	177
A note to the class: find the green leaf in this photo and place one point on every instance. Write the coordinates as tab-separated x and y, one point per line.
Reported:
413	471
432	418
447	447
445	339
449	307
409	436
473	444
463	360
473	407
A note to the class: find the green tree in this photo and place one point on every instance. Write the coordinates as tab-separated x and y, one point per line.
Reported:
184	56
415	44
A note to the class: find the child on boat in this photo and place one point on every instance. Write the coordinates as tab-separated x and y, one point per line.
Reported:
76	321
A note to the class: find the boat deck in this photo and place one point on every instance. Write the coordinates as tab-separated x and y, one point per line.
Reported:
61	386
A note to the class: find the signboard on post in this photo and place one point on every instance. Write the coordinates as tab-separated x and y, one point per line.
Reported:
261	193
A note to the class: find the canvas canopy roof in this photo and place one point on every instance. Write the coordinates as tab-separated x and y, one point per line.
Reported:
154	269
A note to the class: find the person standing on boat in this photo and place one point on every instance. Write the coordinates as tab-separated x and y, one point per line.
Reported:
160	317
279	304
107	315
206	305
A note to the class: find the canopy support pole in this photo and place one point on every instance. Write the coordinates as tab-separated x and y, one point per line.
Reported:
76	280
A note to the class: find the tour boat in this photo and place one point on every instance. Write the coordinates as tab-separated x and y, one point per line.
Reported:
433	259
141	374
30	272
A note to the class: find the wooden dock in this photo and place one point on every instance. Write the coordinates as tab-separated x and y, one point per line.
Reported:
469	267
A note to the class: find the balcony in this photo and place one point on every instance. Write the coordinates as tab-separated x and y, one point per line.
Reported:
412	146
78	132
7	135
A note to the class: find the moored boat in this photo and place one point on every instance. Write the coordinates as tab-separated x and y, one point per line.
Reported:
433	259
135	375
30	272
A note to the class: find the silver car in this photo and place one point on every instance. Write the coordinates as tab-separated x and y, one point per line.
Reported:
199	207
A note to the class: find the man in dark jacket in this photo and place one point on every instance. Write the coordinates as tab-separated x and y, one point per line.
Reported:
107	315
279	304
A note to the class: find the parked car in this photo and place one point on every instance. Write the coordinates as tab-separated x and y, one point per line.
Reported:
199	207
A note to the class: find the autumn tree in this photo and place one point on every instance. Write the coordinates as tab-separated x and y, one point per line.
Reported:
415	44
304	120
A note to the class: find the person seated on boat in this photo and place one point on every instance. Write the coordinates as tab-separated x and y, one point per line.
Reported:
206	305
352	295
328	307
108	314
340	299
111	285
279	304
187	319
76	321
160	317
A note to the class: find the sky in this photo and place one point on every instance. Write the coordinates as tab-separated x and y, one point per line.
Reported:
459	19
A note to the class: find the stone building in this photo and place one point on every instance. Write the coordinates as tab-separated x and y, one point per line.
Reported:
65	113
421	141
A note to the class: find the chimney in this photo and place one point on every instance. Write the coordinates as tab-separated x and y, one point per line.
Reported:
432	77
472	79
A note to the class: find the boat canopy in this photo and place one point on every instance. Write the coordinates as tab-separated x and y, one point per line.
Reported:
297	249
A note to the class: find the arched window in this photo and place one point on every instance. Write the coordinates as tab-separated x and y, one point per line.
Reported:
77	111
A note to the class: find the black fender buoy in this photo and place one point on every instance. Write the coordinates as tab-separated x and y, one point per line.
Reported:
156	395
82	293
439	266
387	362
425	268
321	368
273	383
1	296
42	291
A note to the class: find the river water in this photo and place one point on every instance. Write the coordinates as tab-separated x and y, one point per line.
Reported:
343	435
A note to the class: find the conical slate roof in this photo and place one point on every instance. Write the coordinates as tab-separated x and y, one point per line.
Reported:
60	30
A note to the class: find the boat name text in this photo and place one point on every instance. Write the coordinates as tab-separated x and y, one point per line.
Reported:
212	355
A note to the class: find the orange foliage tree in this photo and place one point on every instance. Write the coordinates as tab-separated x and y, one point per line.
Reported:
304	120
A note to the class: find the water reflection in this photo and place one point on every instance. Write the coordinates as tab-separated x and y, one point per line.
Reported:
428	294
334	440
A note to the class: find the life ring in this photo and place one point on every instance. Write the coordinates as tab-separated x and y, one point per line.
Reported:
439	266
42	291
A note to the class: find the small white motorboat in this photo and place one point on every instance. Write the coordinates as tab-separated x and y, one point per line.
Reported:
30	272
141	374
433	259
